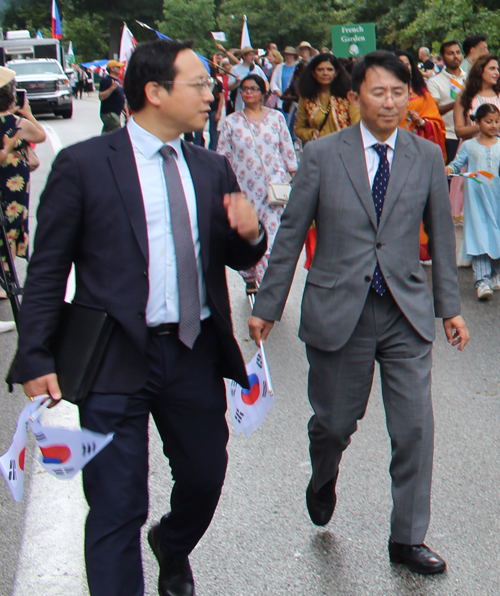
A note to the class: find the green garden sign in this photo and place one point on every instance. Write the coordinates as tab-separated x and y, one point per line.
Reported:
351	41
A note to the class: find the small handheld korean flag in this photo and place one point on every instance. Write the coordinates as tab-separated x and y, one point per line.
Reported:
65	452
12	462
249	407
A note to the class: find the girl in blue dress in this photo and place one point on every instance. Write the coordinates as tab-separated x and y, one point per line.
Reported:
482	201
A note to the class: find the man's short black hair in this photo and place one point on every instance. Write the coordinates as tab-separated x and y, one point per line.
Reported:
447	44
470	42
381	59
152	61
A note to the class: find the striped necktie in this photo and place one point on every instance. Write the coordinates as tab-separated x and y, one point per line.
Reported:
187	268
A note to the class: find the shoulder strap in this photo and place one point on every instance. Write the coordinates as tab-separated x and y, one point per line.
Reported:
328	109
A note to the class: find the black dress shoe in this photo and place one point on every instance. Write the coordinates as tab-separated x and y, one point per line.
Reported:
176	577
321	504
418	558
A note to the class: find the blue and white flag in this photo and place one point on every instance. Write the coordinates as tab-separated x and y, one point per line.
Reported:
245	35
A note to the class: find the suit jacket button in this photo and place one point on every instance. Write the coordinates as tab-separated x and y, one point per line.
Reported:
368	278
145	273
379	245
141	314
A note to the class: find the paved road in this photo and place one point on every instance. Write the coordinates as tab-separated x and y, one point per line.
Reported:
261	540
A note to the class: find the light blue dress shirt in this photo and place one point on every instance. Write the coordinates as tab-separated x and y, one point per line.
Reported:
163	299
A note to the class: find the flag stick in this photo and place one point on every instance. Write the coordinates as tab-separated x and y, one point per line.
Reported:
266	368
210	61
36	414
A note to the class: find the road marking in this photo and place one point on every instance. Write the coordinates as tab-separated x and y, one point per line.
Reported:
54	139
51	560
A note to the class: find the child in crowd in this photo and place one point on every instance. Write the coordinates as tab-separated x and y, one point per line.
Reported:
482	201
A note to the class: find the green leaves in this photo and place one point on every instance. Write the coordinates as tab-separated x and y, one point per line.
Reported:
190	19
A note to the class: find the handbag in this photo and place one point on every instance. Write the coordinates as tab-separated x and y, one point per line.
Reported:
31	158
278	193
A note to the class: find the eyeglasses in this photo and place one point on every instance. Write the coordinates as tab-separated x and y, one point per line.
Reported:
208	83
250	89
397	97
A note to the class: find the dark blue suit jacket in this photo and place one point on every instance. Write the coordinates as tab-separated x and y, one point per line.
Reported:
91	213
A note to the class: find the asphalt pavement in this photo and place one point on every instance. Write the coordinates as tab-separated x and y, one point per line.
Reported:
261	540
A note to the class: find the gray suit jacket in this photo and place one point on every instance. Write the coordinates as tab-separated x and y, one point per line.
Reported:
331	187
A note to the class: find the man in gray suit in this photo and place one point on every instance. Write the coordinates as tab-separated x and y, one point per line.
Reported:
367	299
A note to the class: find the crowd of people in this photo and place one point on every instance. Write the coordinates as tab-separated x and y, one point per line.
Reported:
311	88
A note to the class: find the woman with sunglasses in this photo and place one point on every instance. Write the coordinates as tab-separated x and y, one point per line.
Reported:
258	145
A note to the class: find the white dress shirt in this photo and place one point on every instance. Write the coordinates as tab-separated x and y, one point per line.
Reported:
163	299
372	158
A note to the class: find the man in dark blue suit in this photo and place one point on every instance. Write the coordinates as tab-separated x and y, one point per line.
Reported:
150	224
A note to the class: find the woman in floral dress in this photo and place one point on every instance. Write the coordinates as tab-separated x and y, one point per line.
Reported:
14	171
258	145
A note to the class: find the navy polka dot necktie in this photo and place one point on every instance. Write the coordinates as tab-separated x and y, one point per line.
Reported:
379	189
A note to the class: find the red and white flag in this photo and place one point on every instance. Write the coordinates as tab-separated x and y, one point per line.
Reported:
249	407
127	46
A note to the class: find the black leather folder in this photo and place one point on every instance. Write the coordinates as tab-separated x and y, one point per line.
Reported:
79	345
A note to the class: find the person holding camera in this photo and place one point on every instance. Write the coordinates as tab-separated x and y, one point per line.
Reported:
16	156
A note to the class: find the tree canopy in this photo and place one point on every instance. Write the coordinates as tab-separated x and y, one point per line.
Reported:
94	26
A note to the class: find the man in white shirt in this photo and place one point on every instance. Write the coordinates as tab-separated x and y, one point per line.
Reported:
445	88
150	241
240	71
367	298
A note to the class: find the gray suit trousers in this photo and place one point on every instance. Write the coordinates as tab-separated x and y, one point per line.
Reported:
339	387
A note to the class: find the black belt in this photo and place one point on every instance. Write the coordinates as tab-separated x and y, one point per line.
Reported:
171	328
165	329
